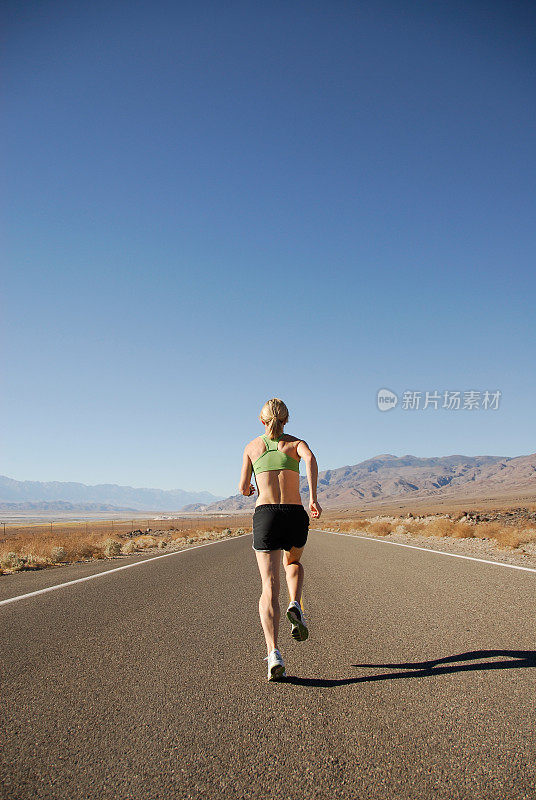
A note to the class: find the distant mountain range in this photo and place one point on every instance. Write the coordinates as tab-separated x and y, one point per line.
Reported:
388	477
384	478
37	495
62	506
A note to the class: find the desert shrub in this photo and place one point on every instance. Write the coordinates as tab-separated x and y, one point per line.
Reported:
462	530
489	530
129	547
32	561
111	547
180	536
344	526
58	553
400	529
162	544
440	527
505	536
12	561
145	541
86	550
226	532
240	532
415	527
380	528
354	525
508	535
528	534
528	540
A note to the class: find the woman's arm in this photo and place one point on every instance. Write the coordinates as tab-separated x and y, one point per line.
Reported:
311	468
246	487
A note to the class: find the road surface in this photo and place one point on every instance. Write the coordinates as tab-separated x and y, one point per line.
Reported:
148	683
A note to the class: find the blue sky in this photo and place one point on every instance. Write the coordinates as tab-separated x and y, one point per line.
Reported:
207	205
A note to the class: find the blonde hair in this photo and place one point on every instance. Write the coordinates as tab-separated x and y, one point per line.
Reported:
274	413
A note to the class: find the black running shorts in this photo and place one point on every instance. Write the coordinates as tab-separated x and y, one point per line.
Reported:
279	526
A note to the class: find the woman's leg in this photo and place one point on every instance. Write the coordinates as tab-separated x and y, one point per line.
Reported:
294	572
269	611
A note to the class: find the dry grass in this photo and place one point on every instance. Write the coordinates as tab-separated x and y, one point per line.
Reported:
415	527
503	536
380	528
39	546
462	530
344	526
33	547
507	536
440	528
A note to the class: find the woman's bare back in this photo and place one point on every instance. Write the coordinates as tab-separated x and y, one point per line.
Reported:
277	486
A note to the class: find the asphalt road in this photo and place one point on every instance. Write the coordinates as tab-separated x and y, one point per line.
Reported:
417	680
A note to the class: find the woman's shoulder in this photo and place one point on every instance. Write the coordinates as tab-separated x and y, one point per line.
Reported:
254	444
292	438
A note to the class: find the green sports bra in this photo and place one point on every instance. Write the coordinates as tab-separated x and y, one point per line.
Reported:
272	458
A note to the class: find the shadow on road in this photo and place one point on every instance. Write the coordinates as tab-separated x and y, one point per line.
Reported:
425	669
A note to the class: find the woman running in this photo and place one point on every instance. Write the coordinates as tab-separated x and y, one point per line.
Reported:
280	522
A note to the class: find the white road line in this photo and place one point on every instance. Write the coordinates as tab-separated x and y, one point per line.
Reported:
115	569
431	550
219	541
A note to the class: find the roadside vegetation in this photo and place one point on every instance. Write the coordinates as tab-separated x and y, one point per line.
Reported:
34	547
509	531
39	546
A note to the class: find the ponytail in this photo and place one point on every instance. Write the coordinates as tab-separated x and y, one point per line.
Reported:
274	413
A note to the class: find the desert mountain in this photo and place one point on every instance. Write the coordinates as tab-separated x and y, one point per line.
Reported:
388	477
107	494
62	506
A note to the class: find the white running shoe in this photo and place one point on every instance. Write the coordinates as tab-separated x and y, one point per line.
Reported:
296	617
276	665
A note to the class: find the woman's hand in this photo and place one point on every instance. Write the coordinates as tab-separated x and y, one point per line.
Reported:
250	490
315	508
